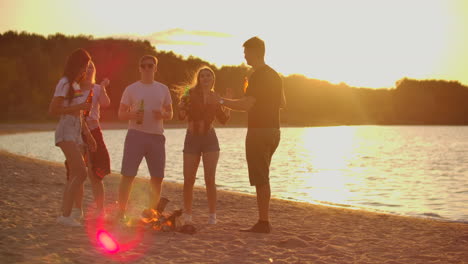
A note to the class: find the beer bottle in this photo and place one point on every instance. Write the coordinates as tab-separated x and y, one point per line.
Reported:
186	97
141	109
89	99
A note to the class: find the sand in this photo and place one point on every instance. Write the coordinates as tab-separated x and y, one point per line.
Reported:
30	196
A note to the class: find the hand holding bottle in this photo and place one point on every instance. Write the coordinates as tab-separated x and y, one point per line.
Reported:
89	101
185	99
139	115
85	106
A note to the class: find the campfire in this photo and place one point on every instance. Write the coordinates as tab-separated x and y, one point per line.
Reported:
158	220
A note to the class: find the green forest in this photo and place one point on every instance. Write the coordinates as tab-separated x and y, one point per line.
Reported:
31	65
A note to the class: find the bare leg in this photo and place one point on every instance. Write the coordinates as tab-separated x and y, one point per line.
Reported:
263	201
79	196
77	175
98	189
156	187
191	163
210	161
125	187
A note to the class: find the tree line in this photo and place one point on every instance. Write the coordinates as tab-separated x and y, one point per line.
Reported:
31	65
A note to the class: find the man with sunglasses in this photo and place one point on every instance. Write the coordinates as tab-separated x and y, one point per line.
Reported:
145	104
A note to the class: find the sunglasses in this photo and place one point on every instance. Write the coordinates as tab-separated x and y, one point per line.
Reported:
147	65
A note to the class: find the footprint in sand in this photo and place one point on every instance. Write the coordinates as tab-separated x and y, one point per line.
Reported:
293	243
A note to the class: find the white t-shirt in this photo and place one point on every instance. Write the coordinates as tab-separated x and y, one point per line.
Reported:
94	114
154	96
62	90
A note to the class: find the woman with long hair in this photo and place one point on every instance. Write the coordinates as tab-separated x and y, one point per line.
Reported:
201	141
98	161
69	102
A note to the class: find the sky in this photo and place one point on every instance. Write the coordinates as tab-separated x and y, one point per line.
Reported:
363	43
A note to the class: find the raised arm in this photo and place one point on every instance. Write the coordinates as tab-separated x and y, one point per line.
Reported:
243	104
104	99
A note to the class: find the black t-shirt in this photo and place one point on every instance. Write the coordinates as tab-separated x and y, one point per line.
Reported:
265	85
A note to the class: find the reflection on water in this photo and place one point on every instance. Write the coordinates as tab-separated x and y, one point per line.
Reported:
418	171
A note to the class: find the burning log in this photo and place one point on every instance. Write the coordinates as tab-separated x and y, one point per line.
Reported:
158	220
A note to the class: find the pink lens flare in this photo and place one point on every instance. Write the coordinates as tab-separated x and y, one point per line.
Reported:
107	242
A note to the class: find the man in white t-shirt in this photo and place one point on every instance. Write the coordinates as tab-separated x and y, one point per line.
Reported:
145	104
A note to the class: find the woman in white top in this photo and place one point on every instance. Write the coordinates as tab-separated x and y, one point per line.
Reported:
68	102
98	161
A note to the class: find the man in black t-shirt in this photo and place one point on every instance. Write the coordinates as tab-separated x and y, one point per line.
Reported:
263	99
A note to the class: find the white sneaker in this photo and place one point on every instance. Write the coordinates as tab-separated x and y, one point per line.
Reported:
212	219
77	214
68	221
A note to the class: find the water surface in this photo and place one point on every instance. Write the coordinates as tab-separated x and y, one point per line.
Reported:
408	170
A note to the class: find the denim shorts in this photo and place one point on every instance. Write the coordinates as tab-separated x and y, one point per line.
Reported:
69	129
260	145
150	146
201	143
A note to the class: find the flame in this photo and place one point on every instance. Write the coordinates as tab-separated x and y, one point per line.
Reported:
246	84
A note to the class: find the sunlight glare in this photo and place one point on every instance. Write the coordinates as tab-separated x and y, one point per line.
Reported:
326	178
338	146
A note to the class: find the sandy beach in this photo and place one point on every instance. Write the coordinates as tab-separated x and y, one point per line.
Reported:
30	196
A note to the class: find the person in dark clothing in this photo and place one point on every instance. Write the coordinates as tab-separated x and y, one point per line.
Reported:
263	99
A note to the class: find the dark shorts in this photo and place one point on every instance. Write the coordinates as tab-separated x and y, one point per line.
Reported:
150	146
197	144
260	145
100	161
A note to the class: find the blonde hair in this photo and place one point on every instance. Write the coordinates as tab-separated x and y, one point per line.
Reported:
194	84
93	75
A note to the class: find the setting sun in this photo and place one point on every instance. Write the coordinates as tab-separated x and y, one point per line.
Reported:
362	43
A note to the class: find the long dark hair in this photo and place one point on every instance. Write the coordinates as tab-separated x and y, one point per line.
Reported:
76	63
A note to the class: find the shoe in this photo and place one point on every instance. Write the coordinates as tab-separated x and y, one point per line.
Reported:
259	227
68	221
212	219
77	214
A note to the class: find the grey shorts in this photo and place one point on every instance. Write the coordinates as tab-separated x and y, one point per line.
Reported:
197	144
69	129
260	145
150	146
